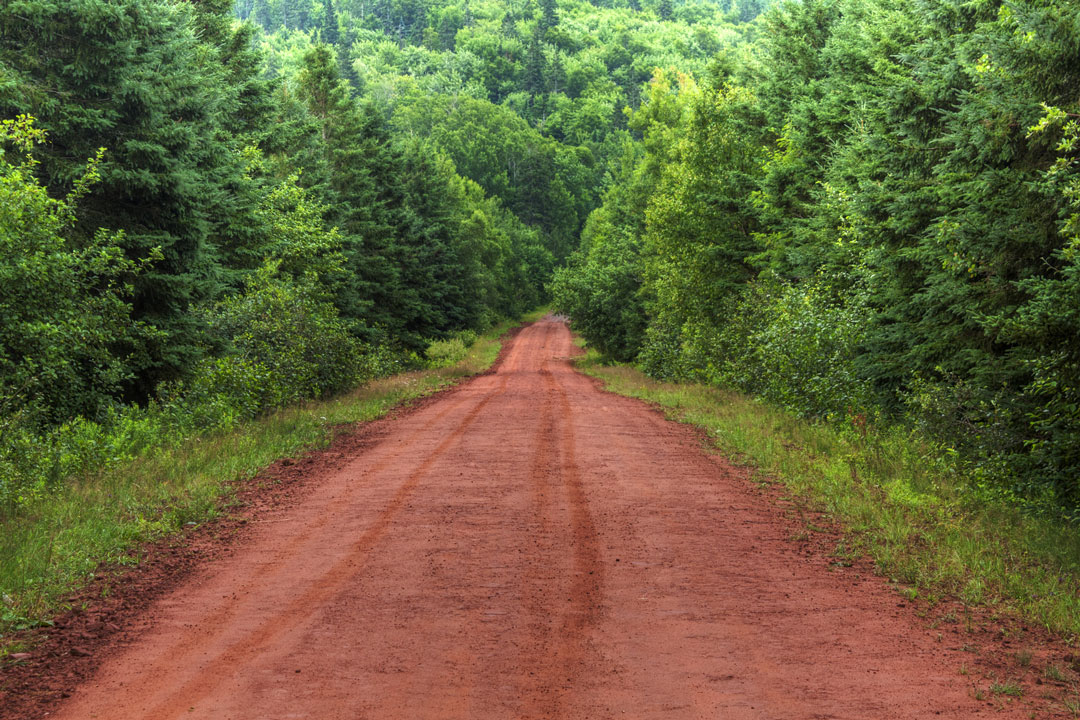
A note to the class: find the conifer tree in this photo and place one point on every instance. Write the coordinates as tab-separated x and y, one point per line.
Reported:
329	30
134	77
550	15
535	66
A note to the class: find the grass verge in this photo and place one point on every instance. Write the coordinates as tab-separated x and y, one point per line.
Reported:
897	498
52	547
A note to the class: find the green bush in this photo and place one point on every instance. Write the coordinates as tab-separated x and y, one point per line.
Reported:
279	342
289	342
444	353
796	344
63	299
793	344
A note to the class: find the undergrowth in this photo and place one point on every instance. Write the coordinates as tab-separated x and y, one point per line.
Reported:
899	498
61	539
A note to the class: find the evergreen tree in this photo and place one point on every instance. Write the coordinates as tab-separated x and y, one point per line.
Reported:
556	76
550	15
133	76
329	30
535	66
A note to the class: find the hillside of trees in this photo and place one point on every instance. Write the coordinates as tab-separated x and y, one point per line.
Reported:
861	210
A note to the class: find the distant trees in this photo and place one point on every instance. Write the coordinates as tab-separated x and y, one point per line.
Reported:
571	82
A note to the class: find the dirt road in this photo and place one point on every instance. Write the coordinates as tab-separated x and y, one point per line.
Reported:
528	546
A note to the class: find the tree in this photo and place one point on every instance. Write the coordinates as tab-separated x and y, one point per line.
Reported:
329	30
133	76
535	66
549	17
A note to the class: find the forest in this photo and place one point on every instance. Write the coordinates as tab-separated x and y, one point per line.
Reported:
862	211
868	213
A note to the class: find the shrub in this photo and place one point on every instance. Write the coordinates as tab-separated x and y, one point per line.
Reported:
280	343
283	343
443	353
793	344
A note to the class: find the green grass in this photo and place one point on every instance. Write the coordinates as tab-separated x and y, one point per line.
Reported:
1010	688
51	548
899	501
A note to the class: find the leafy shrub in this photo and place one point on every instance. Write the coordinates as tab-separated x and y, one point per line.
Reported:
444	353
468	337
63	303
25	466
661	353
602	295
796	345
793	344
281	343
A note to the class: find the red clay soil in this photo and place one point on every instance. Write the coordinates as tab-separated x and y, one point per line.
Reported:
526	546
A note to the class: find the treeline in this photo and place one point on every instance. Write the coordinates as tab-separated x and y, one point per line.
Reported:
528	99
868	213
188	239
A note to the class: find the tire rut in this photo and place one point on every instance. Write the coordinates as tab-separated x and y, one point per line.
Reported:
529	547
300	610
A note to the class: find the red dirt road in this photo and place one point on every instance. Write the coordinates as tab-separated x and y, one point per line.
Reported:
528	546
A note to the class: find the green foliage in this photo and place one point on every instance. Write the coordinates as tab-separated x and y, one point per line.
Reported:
851	215
63	302
601	287
425	252
283	343
444	353
795	345
542	182
700	221
286	223
171	91
602	294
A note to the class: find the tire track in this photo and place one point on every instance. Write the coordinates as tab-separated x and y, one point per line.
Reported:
559	640
533	549
308	603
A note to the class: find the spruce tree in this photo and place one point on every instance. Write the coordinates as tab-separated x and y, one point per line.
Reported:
134	77
535	66
550	15
329	29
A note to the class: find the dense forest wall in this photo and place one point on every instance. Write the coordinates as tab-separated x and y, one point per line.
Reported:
869	212
210	211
